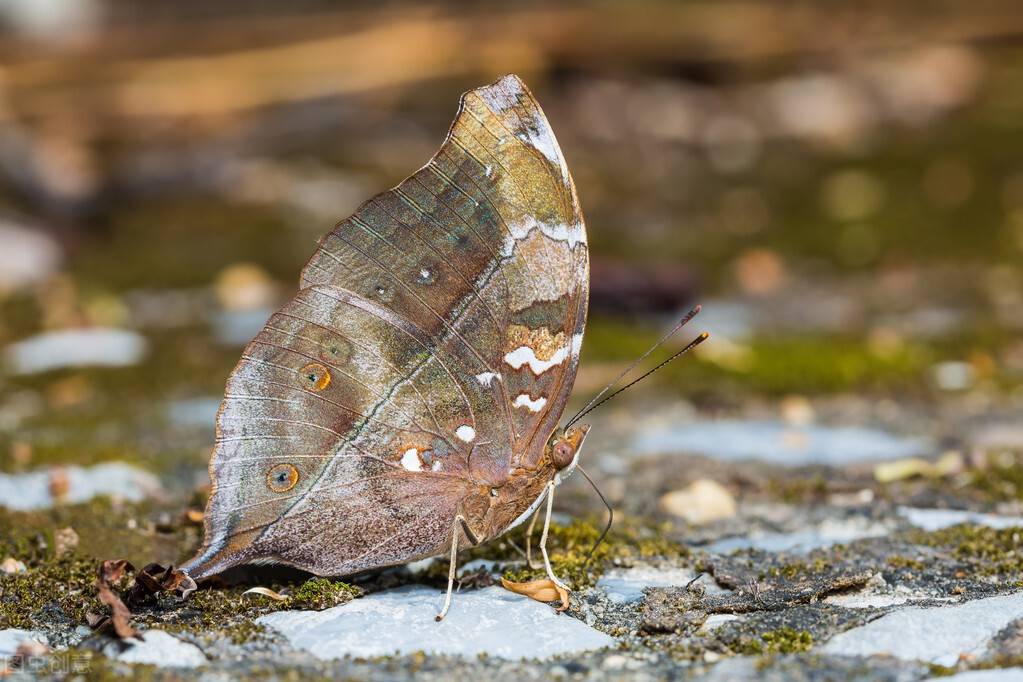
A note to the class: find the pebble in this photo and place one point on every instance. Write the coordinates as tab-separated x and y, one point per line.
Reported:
490	621
614	662
10	566
90	347
702	501
27	256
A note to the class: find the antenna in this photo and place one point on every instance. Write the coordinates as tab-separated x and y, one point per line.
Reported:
610	513
596	401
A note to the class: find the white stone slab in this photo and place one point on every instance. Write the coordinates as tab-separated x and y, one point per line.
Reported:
491	621
92	347
936	519
31	490
936	635
825	534
161	649
866	601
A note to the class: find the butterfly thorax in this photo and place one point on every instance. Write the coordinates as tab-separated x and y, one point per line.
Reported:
513	502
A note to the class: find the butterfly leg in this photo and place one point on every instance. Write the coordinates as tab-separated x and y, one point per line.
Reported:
529	540
543	538
459	522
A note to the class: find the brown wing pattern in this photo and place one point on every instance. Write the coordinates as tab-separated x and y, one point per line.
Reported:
430	350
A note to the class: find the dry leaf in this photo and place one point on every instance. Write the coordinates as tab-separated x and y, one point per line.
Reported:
154	579
111	571
541	590
266	592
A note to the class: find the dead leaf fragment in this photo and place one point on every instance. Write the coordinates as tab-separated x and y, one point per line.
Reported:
544	590
948	464
111	571
266	592
153	579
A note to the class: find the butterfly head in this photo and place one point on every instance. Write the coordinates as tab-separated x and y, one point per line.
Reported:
564	445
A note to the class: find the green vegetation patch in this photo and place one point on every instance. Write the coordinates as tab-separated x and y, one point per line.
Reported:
569	548
989	551
784	640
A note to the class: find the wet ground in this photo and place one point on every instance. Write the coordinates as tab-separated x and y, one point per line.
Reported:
829	488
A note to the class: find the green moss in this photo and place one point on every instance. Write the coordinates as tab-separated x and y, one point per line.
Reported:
936	670
796	490
569	548
1001	479
989	551
321	593
774	365
784	640
796	569
57	592
898	561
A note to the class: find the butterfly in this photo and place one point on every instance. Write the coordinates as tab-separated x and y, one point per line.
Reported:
405	403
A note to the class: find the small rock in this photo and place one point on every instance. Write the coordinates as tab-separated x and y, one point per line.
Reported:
702	501
953	376
796	410
244	286
65	541
10	566
614	662
26	256
760	272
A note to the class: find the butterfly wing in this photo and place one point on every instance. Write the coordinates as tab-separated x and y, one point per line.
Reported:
429	351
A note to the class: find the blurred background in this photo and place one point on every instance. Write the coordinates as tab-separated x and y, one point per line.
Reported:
839	184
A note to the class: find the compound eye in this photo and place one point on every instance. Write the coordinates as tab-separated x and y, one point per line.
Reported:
563	455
